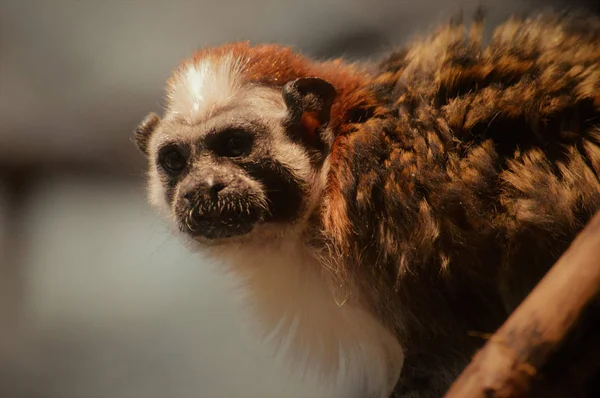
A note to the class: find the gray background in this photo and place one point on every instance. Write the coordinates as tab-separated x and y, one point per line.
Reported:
97	299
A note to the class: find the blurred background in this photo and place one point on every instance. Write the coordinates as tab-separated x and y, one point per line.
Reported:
97	298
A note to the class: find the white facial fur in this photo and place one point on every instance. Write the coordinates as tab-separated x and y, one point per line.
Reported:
287	287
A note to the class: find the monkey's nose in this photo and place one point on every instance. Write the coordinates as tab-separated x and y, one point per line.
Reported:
215	189
206	190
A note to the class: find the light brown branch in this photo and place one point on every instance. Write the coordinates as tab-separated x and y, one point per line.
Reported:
509	362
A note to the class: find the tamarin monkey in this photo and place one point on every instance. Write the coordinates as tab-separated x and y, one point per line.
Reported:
380	214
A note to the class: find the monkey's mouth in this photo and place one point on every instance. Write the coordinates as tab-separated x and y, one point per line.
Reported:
220	221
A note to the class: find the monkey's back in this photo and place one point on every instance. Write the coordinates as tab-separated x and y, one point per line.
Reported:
481	165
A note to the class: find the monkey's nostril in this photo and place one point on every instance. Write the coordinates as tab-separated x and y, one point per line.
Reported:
189	196
215	189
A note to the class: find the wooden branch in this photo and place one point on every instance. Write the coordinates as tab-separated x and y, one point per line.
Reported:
509	362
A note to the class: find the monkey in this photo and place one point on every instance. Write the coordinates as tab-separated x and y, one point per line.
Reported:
382	214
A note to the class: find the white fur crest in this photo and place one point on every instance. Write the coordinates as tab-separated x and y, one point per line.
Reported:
200	88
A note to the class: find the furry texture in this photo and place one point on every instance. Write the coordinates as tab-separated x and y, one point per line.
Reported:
458	173
451	206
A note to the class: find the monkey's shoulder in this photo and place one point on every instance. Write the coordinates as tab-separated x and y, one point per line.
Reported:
473	142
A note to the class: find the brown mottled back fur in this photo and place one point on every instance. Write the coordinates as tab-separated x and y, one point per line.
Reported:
466	181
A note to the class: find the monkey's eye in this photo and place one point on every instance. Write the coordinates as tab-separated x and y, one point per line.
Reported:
234	143
236	146
172	159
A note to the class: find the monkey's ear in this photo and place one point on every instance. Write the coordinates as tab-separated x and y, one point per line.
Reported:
143	132
309	101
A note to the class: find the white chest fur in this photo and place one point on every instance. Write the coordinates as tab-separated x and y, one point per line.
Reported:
321	331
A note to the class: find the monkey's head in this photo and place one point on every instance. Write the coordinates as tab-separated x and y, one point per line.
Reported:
236	157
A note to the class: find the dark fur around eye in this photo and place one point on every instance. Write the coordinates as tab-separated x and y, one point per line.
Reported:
173	159
285	193
231	143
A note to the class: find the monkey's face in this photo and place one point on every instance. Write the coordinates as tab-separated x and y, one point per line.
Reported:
249	167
